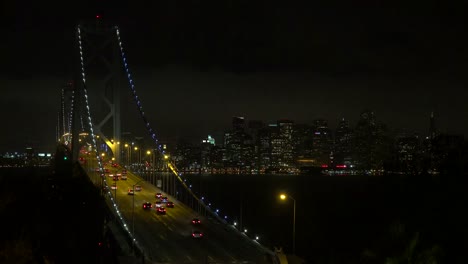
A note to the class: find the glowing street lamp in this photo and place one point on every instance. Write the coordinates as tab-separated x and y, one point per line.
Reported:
284	197
139	156
129	152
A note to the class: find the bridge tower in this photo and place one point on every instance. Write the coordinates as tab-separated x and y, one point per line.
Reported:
64	116
104	69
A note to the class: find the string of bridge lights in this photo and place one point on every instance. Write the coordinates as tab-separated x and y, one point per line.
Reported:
70	115
63	111
153	136
142	114
90	123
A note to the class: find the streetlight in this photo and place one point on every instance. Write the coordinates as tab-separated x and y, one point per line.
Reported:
139	156
133	216
283	197
164	178
151	165
128	155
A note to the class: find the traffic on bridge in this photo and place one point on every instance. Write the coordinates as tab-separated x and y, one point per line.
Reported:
167	230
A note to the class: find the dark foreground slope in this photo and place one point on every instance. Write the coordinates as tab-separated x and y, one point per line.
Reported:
50	217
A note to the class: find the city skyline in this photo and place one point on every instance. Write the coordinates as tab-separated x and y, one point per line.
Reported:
219	133
296	63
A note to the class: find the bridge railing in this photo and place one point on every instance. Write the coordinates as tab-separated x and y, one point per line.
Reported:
132	247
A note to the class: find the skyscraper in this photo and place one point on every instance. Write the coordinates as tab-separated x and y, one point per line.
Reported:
432	127
321	142
343	143
238	123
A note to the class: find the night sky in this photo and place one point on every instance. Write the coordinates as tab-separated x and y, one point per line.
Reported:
198	63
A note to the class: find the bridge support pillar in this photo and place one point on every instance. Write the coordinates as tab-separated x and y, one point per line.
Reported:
104	69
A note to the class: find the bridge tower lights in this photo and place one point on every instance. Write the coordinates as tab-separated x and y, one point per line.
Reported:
103	67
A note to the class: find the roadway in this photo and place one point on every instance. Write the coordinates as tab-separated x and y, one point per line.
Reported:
167	238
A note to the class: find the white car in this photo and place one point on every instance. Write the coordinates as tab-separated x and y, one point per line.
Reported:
158	204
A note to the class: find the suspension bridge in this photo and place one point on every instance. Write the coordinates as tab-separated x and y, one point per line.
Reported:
89	130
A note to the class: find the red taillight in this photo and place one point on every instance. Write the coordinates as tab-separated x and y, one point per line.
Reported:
201	234
144	206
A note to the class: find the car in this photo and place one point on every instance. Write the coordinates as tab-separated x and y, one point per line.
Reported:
147	205
158	204
115	165
111	175
138	188
196	221
164	199
161	210
123	176
114	186
158	195
197	234
106	170
169	204
115	178
130	192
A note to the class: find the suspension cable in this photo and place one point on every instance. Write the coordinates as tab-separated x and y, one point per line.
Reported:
70	115
90	123
147	124
63	113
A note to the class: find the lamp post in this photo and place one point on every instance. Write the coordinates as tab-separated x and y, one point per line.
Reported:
165	178
139	157
127	156
133	216
283	197
148	153
115	189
